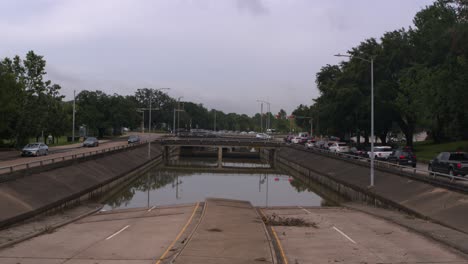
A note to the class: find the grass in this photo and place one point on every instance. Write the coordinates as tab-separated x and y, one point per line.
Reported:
427	150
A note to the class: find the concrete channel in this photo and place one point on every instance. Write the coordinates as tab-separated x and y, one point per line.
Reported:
221	230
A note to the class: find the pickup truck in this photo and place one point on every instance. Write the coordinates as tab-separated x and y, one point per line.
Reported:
452	163
381	152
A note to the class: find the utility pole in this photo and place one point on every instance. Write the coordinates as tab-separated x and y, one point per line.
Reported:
214	125
73	126
311	127
149	125
173	123
261	117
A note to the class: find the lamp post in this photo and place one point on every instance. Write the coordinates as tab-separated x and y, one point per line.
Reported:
371	61
74	110
261	114
149	120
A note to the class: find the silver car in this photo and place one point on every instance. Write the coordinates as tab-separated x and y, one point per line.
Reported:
35	149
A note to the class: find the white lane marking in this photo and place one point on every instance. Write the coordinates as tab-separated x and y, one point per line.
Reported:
118	232
339	231
307	211
149	210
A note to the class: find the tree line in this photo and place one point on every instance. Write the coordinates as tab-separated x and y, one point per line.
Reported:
420	75
32	107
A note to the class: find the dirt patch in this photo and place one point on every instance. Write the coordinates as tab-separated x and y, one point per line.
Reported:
215	230
275	220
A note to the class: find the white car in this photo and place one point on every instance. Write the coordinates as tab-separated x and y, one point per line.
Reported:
381	152
339	147
251	132
310	144
262	136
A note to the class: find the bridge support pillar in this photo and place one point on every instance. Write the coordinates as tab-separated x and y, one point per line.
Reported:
166	155
220	157
272	158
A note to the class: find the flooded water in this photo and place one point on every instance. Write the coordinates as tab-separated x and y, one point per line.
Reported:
162	186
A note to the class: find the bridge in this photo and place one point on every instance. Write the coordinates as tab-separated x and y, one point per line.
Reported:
221	143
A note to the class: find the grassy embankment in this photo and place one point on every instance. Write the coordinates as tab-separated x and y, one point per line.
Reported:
427	150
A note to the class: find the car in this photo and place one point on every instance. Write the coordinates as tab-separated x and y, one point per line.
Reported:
243	133
339	147
381	152
452	163
251	132
133	139
288	138
263	136
91	142
322	144
271	130
301	138
310	143
35	149
402	157
358	151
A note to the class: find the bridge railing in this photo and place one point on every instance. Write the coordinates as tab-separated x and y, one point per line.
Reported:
454	181
219	141
44	162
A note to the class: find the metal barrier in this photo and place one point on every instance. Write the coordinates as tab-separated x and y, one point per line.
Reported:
44	162
382	164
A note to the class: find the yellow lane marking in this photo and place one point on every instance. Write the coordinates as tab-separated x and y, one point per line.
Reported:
283	256
178	236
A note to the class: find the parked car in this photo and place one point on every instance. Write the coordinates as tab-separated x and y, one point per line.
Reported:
133	139
251	132
402	157
288	138
301	138
35	149
91	142
453	163
381	152
339	147
263	136
358	151
322	144
310	143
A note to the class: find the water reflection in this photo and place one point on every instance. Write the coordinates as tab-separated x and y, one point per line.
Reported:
167	187
213	162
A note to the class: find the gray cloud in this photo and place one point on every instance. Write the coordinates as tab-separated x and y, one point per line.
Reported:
208	51
254	7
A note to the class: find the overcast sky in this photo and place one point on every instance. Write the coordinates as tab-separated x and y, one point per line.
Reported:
225	54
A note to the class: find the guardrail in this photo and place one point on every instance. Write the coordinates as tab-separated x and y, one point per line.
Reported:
415	172
221	141
44	162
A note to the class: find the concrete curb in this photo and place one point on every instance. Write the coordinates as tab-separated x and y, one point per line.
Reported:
442	240
53	227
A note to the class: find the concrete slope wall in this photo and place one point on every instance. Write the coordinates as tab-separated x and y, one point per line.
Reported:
26	196
441	205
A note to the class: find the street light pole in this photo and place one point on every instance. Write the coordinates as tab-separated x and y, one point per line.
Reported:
149	121
372	158
73	128
372	123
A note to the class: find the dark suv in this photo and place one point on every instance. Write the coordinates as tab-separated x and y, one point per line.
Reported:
403	157
453	163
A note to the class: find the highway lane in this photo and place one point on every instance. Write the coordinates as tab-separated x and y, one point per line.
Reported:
61	151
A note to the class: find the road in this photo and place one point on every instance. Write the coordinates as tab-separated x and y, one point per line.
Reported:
60	151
